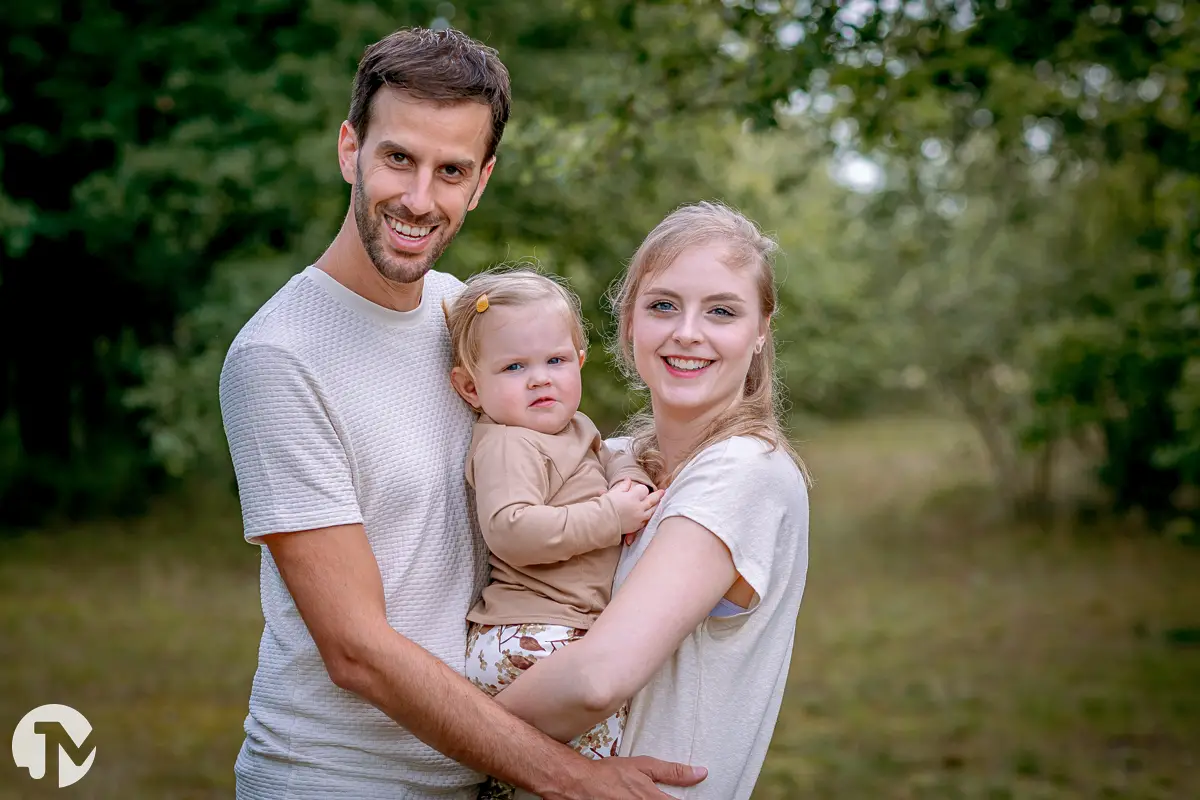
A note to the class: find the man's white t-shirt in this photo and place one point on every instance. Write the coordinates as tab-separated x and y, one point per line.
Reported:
714	703
340	411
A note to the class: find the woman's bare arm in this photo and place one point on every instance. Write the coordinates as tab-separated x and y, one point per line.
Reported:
683	573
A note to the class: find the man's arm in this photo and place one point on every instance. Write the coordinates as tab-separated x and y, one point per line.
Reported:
334	579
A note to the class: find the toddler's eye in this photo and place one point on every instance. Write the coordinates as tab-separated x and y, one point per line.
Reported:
513	367
556	360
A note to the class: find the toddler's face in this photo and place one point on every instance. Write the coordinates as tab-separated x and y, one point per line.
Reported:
528	373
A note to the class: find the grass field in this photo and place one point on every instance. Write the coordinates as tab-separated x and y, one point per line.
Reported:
940	653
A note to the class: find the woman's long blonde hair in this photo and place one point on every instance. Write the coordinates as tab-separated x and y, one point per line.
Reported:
759	412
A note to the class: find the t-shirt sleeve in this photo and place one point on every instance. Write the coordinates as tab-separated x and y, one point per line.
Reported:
292	471
743	493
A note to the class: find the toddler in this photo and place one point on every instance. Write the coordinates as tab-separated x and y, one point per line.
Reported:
553	502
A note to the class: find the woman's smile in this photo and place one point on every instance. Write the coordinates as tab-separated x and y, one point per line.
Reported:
686	368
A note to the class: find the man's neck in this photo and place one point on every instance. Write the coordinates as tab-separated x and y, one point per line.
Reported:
347	262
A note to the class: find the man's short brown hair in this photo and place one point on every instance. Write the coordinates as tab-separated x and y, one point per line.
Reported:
444	66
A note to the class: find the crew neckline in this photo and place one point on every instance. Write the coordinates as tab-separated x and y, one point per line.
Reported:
358	304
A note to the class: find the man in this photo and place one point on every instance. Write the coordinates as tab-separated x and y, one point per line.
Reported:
349	443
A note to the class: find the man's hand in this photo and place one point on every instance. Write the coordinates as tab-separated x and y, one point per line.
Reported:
635	504
629	778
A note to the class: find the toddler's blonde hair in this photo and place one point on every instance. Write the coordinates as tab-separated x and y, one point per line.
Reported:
505	287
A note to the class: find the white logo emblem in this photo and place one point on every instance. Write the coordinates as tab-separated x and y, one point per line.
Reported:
54	738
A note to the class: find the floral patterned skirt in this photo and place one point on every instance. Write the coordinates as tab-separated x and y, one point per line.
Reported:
497	654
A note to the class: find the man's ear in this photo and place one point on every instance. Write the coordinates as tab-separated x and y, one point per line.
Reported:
483	180
347	152
464	384
582	358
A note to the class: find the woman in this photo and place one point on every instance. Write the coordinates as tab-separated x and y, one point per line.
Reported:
699	631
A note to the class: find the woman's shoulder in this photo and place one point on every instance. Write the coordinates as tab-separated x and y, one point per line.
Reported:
619	444
744	468
748	454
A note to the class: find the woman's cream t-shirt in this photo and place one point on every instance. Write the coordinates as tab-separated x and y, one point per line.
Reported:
714	702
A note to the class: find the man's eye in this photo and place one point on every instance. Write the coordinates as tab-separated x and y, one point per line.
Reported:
452	171
399	158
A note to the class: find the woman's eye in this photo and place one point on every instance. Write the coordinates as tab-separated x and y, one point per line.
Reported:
722	312
661	305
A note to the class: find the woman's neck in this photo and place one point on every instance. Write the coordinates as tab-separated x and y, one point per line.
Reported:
680	431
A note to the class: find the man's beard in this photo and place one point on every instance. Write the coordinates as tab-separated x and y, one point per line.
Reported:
372	232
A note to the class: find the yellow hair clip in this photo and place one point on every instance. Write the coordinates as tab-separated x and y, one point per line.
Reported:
481	305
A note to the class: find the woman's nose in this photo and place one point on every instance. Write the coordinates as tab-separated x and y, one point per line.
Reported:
687	331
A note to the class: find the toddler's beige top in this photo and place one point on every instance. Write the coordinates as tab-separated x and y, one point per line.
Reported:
553	534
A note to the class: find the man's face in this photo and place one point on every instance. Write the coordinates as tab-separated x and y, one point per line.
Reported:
416	174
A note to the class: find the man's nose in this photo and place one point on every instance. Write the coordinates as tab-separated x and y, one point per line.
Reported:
419	197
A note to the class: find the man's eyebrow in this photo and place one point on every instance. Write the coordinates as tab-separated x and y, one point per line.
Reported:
462	164
719	297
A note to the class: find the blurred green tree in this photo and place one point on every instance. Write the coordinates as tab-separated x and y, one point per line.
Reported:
1089	112
1028	245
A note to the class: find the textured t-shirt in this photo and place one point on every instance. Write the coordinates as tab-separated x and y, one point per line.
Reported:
340	411
714	703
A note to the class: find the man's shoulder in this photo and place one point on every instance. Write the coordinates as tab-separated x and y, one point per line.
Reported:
440	285
277	321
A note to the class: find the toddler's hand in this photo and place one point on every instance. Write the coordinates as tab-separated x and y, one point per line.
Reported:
635	505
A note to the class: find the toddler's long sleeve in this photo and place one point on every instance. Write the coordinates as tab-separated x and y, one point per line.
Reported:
511	476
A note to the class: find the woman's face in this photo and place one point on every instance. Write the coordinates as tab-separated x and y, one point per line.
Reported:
694	329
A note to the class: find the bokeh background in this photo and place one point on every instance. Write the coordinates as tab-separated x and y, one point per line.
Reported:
989	334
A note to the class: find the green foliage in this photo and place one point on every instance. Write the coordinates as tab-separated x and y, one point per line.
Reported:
1077	285
1030	254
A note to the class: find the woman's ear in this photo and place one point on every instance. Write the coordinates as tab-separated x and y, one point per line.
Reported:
464	384
764	330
